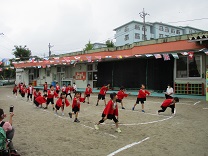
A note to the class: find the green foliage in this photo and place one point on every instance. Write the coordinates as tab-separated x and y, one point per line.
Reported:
88	46
23	53
109	44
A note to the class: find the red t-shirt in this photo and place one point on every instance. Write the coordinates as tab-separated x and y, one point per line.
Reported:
30	90
88	91
45	87
52	94
167	102
40	100
76	102
121	95
69	89
59	102
143	93
110	109
36	94
57	87
103	90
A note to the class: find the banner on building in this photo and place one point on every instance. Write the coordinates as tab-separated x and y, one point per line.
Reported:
166	57
157	56
80	76
175	55
190	55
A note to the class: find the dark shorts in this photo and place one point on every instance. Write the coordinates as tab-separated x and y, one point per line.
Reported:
50	100
111	117
29	95
75	109
57	107
57	91
100	96
36	103
14	91
87	95
23	94
140	100
118	100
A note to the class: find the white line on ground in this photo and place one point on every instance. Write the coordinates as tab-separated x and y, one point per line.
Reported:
205	108
127	146
197	102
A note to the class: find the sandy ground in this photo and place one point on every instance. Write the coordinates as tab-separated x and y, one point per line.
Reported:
41	133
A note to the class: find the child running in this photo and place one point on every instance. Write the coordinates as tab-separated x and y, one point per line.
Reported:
102	93
110	112
40	100
61	103
29	92
15	90
57	88
169	103
121	94
69	90
76	106
141	97
50	97
88	91
36	94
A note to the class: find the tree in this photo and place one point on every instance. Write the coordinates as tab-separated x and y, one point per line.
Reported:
88	46
23	53
109	44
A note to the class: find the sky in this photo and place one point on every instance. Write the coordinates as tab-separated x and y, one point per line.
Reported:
69	24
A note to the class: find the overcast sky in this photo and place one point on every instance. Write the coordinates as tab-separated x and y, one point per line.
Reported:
70	24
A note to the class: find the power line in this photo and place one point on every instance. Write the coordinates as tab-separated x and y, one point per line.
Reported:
199	19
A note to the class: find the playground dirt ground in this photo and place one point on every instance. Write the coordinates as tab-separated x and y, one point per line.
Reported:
40	132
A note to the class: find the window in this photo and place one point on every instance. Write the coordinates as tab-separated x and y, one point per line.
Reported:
188	68
137	27
126	29
90	75
143	37
160	35
190	31
137	36
172	30
126	37
166	35
161	28
143	28
178	32
90	67
166	29
48	73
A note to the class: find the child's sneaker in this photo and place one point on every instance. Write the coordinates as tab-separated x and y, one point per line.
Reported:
88	103
53	108
123	108
97	104
70	115
63	114
76	120
96	127
133	108
55	113
143	111
118	130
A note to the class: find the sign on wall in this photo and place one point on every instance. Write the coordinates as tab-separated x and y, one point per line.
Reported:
80	76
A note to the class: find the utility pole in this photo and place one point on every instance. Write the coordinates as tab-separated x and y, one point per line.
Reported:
143	14
50	46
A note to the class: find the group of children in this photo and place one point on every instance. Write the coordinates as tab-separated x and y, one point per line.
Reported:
111	108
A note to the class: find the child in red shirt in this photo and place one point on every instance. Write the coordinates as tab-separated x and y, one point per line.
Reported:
102	93
29	92
141	97
45	88
121	94
57	88
169	103
36	94
15	90
69	89
88	91
110	112
50	97
40	100
76	106
23	91
61	102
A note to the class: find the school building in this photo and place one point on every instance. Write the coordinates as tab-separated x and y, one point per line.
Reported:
179	60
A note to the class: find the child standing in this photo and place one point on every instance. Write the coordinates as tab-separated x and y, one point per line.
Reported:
15	90
121	94
61	102
23	91
88	91
29	92
110	112
63	89
45	88
169	92
69	90
50	97
76	106
169	103
57	88
74	87
40	100
141	97
102	93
